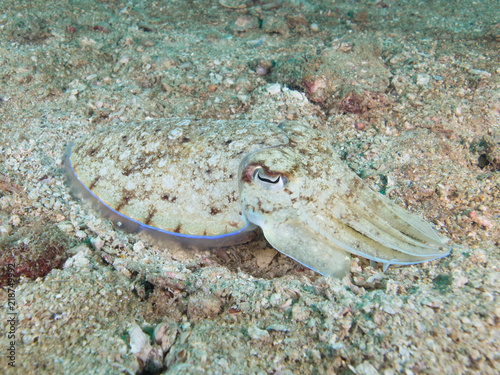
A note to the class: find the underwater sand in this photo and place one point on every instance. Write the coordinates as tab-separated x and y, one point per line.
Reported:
406	91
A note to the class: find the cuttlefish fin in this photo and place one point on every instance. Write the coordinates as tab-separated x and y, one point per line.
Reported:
386	266
307	247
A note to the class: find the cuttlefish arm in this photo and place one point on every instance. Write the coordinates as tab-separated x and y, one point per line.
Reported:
314	209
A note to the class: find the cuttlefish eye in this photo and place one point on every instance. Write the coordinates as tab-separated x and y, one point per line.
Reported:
273	183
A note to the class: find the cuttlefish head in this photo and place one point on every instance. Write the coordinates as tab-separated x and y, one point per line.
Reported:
315	210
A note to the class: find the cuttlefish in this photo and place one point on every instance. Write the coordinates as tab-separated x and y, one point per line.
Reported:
210	183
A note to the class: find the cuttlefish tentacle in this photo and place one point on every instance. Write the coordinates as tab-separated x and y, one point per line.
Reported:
376	217
301	243
339	212
373	216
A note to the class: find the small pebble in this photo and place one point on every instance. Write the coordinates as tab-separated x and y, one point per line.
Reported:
314	27
98	243
359	125
125	59
274	89
78	249
139	342
262	70
66	226
256	333
165	335
244	23
423	79
139	246
80	234
243	98
77	261
15	220
125	272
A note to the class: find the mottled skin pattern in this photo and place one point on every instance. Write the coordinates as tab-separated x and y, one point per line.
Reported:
325	211
210	178
179	175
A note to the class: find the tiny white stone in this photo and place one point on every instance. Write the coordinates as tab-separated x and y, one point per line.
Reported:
138	339
296	95
256	333
66	227
139	342
15	220
80	234
77	261
243	98
139	246
57	206
274	89
98	243
423	79
5	229
125	59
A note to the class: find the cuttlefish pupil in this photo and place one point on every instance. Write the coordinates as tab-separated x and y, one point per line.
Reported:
267	182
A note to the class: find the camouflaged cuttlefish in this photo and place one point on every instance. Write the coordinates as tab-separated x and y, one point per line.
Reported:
211	183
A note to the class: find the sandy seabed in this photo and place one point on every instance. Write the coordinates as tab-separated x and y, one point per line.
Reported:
406	91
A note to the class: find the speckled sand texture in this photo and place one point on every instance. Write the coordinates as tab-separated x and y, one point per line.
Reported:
407	93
